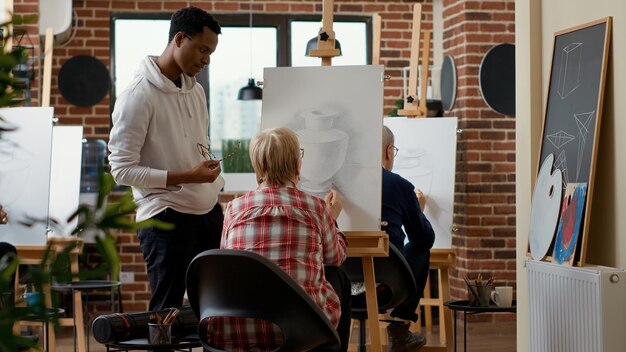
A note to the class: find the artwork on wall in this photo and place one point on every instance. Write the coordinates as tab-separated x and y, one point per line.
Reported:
25	174
427	158
336	113
571	127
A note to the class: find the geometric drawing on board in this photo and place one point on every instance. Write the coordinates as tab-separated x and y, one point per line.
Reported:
561	164
569	73
559	139
583	120
569	223
544	211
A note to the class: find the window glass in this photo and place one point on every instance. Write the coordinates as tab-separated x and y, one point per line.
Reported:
242	53
129	51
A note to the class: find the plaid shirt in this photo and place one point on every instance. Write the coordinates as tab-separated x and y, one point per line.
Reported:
297	232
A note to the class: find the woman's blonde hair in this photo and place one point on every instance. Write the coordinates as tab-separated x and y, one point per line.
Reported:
274	154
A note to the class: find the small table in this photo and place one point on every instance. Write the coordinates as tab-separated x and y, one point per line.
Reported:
185	344
86	285
50	313
464	306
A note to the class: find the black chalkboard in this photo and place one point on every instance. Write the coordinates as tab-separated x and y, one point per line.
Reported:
574	106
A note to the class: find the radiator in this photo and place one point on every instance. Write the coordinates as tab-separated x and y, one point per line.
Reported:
576	308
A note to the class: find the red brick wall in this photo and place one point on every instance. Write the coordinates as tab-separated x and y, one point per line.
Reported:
29	8
485	177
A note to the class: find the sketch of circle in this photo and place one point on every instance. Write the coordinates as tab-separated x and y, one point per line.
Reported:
448	83
545	208
497	79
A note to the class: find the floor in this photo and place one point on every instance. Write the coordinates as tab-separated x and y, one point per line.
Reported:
484	337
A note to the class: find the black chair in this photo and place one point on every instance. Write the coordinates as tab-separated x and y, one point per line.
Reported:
395	279
235	283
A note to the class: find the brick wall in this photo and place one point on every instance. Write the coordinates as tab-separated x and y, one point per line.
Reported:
485	199
485	177
29	8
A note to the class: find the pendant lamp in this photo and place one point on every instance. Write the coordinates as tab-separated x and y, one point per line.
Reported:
250	91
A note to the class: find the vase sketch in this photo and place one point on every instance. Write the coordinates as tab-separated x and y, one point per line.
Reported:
325	149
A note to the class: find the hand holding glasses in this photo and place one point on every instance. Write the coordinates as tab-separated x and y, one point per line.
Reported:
205	151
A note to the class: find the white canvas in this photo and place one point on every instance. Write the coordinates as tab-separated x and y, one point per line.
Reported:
341	139
25	174
427	158
67	151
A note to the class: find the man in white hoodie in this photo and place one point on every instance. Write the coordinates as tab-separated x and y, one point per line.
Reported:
158	123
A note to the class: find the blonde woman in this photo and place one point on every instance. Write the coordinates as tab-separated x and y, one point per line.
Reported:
292	228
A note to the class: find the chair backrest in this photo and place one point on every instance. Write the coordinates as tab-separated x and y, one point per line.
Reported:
236	283
392	271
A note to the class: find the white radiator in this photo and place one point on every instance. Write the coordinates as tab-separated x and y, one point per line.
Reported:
576	309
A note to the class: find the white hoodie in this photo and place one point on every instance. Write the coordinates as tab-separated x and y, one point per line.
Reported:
156	127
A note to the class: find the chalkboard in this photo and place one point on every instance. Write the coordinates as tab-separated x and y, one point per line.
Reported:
574	106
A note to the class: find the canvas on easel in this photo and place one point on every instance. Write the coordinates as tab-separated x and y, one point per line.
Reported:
25	174
427	158
335	111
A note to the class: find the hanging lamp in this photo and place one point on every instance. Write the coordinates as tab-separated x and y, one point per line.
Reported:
250	91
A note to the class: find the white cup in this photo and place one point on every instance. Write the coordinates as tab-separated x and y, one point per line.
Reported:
502	296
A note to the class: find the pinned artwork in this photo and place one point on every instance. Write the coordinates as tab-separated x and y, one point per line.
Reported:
544	212
336	113
569	227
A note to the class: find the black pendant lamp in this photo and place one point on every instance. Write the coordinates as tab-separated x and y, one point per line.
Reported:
250	92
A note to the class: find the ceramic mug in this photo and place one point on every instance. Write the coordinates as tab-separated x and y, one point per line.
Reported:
502	296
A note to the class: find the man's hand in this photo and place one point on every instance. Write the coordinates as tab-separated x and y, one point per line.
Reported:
421	198
206	171
334	202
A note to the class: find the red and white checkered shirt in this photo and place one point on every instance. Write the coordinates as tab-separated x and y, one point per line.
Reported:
297	232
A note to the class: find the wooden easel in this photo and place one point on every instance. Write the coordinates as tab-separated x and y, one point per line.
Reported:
326	37
363	244
47	68
32	255
441	260
411	107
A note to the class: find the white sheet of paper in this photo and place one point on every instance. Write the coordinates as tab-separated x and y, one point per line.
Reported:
67	151
25	174
427	158
342	107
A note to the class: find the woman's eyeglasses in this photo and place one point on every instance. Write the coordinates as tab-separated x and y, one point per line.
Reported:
301	153
395	151
206	153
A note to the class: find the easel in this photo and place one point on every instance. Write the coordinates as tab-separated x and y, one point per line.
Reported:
32	255
364	244
326	37
441	260
411	107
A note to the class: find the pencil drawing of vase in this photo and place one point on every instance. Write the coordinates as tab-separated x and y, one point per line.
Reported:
325	149
13	172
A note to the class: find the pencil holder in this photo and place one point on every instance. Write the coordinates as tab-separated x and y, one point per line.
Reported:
479	295
160	334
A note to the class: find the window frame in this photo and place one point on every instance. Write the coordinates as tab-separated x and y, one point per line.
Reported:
281	21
